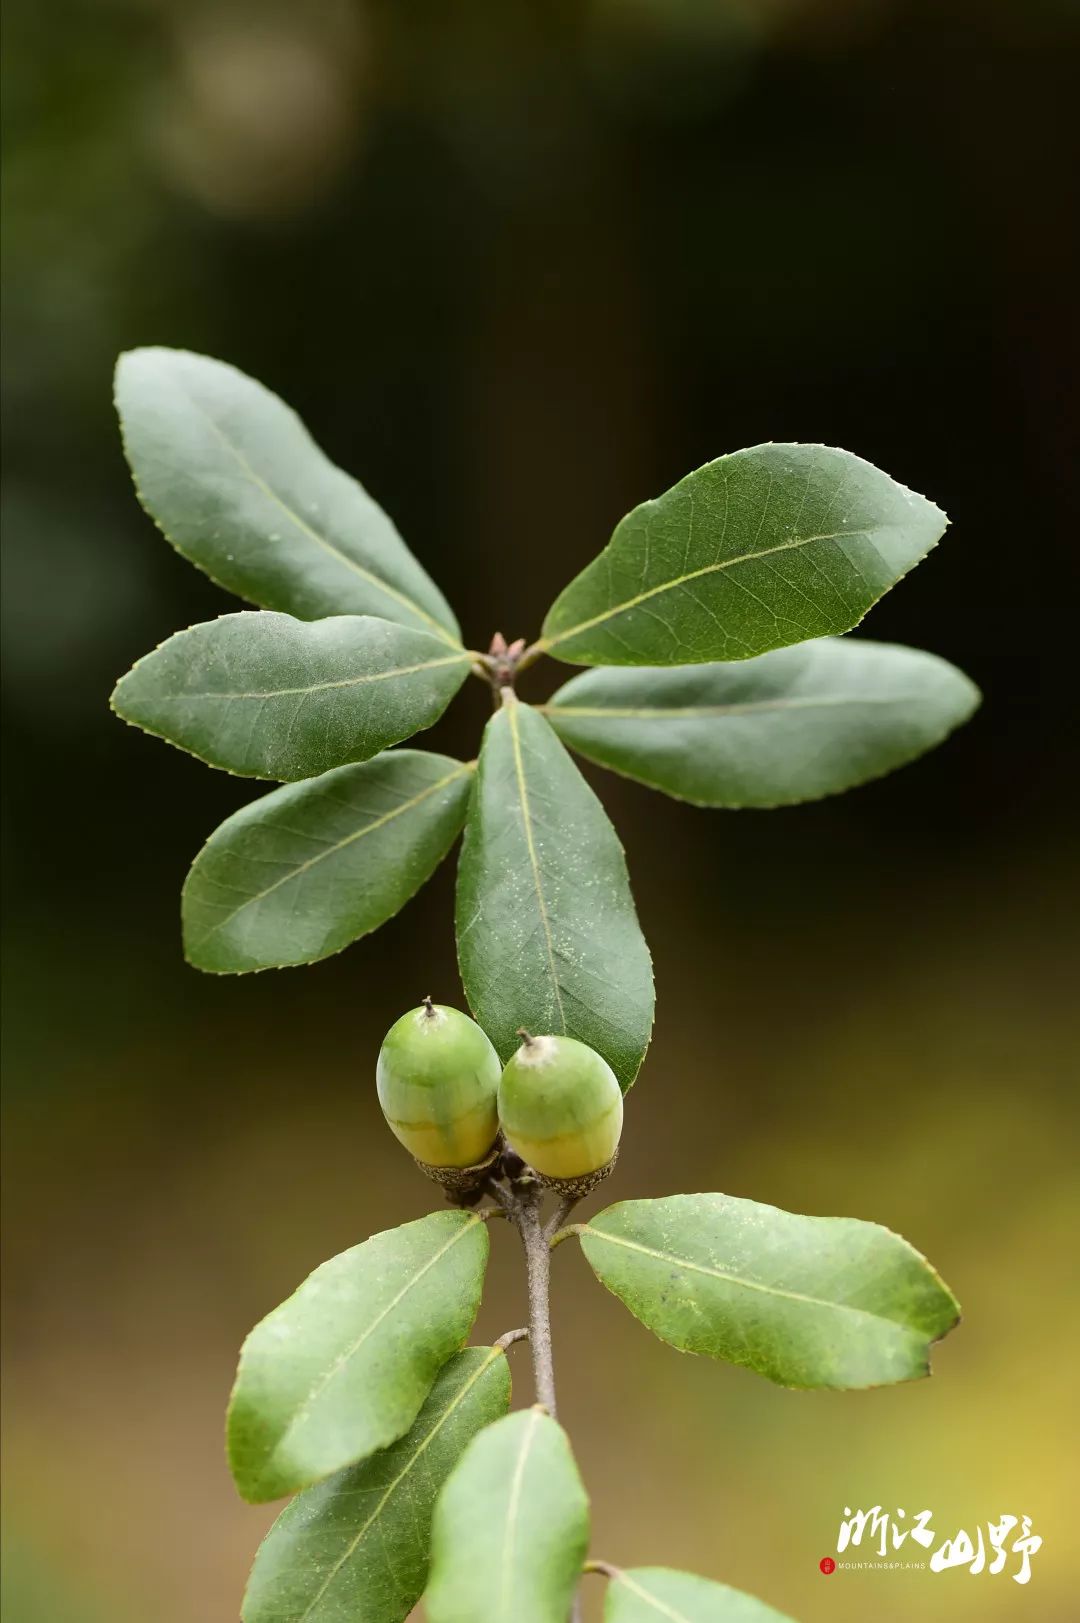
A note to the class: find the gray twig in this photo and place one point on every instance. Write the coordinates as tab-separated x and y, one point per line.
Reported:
558	1218
538	1273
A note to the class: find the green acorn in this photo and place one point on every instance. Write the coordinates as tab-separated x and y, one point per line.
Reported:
438	1082
561	1109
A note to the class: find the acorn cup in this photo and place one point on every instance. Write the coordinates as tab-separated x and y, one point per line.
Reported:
438	1083
561	1109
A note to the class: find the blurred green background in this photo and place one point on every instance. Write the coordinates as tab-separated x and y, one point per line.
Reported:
520	267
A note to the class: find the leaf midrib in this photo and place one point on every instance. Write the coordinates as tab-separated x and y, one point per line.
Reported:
751	707
660	1606
737	1279
343	1358
513	1508
534	860
307	529
694	574
358	834
350	1550
317	687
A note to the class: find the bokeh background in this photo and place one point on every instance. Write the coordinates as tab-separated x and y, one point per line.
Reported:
521	266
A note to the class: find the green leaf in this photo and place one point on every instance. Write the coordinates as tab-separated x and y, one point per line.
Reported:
234	480
267	696
511	1528
753	551
804	1301
789	726
309	868
354	1549
660	1595
341	1368
547	934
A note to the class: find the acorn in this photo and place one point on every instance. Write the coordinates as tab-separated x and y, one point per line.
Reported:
561	1109
438	1082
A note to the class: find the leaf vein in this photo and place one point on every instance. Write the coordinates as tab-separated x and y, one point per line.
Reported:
534	860
513	1508
350	1549
358	834
307	529
694	574
713	1272
343	1358
317	687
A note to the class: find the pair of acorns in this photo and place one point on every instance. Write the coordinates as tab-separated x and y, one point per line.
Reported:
447	1099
